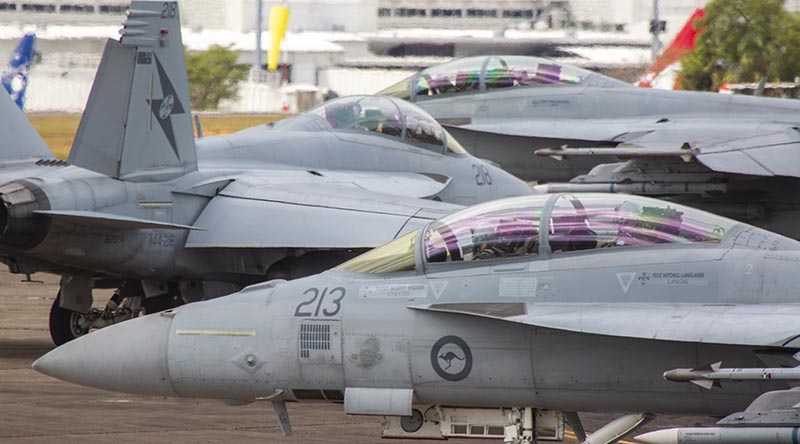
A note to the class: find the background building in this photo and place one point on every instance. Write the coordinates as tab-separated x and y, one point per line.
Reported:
350	46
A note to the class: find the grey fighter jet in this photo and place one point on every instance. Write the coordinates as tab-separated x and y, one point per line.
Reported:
504	319
732	155
143	209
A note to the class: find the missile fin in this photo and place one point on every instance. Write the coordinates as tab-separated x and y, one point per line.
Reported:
710	368
705	383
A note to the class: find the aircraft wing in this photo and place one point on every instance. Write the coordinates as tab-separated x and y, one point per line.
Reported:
773	325
739	146
317	209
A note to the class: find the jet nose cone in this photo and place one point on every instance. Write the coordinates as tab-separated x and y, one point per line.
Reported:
129	357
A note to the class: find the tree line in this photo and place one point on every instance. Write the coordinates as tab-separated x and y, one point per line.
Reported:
743	41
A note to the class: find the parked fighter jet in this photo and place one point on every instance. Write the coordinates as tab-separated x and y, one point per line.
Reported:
733	155
141	209
501	319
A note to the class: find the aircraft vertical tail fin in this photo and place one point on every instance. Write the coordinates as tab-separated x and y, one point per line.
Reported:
15	76
137	124
20	141
663	72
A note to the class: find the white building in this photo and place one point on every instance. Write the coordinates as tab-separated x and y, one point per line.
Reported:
344	45
370	15
306	15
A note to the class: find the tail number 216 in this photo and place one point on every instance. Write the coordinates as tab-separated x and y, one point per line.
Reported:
169	9
482	176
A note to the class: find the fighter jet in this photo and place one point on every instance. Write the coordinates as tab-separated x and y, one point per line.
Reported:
501	320
732	155
141	208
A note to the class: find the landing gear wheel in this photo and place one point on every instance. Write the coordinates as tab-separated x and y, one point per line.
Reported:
66	325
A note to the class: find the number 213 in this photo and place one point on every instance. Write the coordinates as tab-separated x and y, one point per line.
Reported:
331	308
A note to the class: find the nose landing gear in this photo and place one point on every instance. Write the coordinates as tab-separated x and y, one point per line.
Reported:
66	325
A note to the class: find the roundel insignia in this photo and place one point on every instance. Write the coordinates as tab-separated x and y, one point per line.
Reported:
17	83
166	107
451	358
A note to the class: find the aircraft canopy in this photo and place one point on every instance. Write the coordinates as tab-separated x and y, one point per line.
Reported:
480	74
382	115
541	225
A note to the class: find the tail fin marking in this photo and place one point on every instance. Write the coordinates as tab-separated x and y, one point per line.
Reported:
21	140
664	69
15	76
137	124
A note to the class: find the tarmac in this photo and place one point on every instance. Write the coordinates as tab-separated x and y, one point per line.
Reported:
38	409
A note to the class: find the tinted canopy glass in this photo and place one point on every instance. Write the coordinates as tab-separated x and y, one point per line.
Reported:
586	222
387	116
500	229
513	71
364	113
473	74
530	225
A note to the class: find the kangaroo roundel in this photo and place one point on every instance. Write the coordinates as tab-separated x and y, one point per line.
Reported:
451	358
165	109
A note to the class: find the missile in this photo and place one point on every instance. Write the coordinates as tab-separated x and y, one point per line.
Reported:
686	153
757	374
694	375
646	188
727	435
710	375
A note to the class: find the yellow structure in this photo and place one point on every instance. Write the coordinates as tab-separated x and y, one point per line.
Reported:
278	19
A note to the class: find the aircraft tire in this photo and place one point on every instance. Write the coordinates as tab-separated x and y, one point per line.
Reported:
64	323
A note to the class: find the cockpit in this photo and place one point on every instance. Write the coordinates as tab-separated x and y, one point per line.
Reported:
378	115
544	226
480	74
